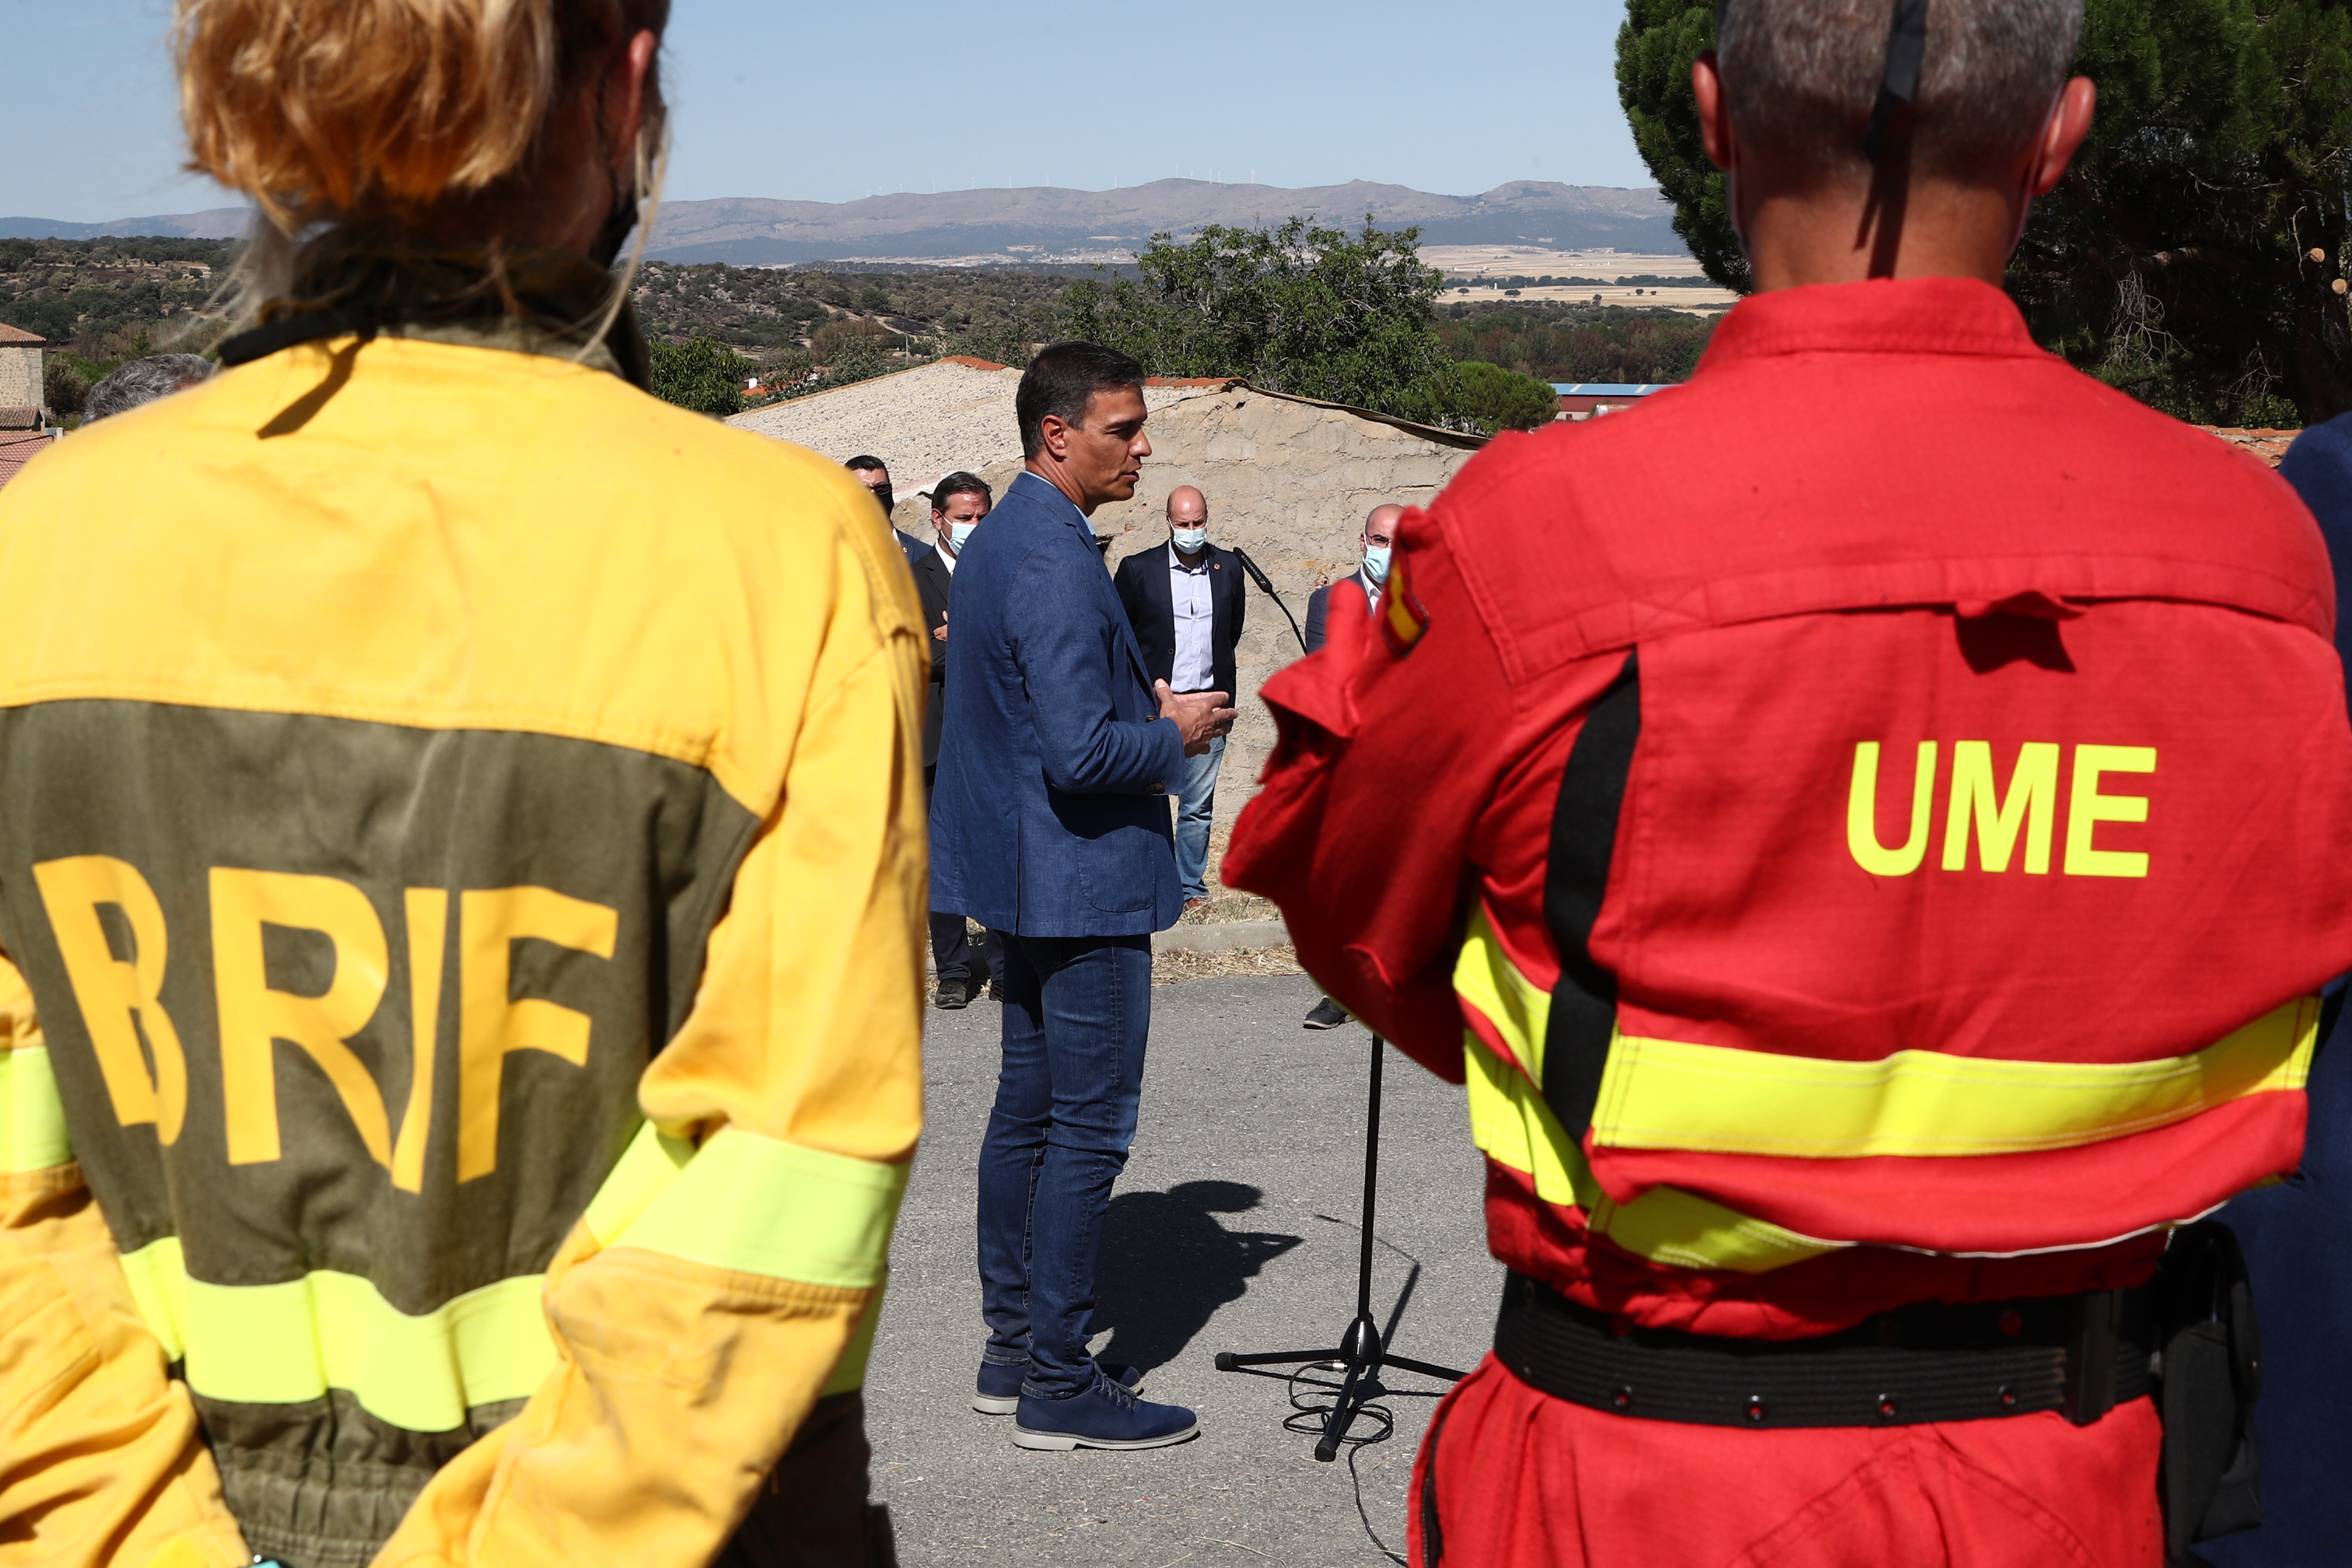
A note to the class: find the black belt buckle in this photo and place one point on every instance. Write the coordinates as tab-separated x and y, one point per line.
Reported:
2091	1341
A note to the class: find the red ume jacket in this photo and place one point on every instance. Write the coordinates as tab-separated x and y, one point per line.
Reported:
1867	823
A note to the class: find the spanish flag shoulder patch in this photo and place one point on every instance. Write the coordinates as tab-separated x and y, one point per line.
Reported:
1403	618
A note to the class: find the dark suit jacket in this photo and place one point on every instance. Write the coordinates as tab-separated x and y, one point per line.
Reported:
1049	814
909	546
933	579
1319	608
1151	611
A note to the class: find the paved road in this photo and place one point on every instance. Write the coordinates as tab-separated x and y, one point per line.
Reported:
1231	1229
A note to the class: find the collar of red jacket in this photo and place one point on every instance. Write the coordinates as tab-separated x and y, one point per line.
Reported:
1885	316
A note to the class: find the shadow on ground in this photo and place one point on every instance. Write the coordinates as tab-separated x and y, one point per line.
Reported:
1167	1265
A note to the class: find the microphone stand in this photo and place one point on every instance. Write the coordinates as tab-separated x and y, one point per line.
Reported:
1259	577
1359	1348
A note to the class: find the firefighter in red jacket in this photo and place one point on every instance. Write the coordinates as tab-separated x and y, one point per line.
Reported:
1863	825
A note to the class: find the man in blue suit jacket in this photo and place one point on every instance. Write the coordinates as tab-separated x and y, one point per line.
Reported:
1049	825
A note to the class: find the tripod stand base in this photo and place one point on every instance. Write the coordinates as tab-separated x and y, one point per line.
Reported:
1364	1357
1359	1348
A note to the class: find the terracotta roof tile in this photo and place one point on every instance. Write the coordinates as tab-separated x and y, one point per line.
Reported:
16	450
2269	446
18	337
20	418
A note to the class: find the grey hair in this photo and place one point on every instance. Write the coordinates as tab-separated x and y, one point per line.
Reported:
138	381
1802	75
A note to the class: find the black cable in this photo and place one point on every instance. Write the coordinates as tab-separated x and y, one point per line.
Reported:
1310	1416
1263	581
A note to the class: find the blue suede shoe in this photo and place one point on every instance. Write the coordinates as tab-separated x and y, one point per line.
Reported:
1105	1416
1000	1383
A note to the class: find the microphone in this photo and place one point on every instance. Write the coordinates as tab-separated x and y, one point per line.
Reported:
1263	581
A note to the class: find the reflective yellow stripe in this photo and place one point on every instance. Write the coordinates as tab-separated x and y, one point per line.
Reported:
742	1201
1520	1010
1514	1126
1663	1094
283	1345
849	1372
650	1163
654	1166
765	1207
32	1118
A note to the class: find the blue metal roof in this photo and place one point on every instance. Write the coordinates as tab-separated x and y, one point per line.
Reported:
1608	388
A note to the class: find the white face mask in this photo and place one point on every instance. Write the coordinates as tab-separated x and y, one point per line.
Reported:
1376	564
1190	539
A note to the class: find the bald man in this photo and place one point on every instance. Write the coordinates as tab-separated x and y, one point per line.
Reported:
1380	534
1185	603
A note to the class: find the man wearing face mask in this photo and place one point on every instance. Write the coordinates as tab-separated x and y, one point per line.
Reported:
1378	538
1186	605
1814	843
958	504
875	476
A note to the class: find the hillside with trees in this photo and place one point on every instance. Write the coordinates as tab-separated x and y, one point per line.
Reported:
762	309
1349	318
75	291
1556	342
101	302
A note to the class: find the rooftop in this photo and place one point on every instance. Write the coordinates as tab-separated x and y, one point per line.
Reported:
1609	388
17	337
19	448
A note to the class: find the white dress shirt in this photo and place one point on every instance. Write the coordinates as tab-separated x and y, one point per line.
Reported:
1196	621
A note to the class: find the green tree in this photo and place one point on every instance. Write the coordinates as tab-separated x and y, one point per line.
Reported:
1655	52
2196	255
999	343
1299	309
62	387
700	374
859	358
1499	399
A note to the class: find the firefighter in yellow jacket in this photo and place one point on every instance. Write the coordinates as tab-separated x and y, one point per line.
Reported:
461	875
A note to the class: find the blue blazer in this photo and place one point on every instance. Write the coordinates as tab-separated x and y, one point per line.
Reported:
1049	812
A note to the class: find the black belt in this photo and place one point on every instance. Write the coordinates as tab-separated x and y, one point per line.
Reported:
2079	1354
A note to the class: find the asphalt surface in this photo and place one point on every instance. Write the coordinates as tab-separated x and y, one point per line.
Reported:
1233	1229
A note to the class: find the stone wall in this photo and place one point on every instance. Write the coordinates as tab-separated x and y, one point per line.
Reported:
1289	482
20	378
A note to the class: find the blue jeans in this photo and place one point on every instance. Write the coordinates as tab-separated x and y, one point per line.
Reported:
1078	1011
1196	803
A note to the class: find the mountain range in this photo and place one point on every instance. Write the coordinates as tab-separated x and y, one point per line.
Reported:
1048	225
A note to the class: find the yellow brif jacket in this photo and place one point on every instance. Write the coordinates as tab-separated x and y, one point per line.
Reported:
462	872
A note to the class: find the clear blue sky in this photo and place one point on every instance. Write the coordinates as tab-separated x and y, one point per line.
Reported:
837	101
